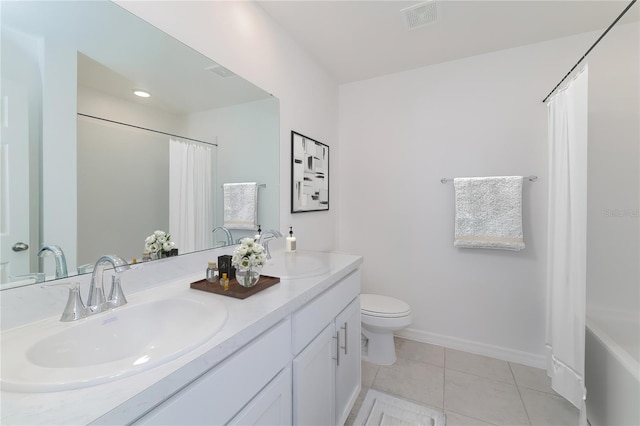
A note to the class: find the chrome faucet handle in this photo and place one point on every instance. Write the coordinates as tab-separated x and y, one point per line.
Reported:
74	308
116	295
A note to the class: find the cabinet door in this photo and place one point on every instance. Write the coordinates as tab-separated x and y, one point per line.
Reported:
348	381
272	406
314	381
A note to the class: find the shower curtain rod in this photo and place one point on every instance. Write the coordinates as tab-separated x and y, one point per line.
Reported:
144	128
591	48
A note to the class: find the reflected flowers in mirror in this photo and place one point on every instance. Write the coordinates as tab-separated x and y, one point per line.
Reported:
159	244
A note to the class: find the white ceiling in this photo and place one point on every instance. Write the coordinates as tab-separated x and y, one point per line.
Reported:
357	40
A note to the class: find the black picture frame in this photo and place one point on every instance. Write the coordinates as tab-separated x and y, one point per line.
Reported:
309	174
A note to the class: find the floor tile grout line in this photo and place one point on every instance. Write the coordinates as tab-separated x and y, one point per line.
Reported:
471	417
520	395
444	380
482	377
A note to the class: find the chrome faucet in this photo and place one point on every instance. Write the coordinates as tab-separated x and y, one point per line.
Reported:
61	261
227	232
96	302
267	236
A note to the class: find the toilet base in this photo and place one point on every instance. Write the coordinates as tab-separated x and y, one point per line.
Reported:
381	348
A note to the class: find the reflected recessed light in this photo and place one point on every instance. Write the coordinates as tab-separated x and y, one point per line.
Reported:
141	93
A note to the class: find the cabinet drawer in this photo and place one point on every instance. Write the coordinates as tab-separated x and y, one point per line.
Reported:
309	320
222	392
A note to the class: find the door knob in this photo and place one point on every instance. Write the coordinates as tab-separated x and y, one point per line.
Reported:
20	247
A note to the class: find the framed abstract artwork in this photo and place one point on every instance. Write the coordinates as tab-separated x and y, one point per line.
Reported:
309	174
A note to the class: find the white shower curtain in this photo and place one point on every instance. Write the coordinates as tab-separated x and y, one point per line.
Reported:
190	196
567	245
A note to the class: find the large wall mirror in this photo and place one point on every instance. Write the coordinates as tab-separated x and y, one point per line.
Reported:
93	169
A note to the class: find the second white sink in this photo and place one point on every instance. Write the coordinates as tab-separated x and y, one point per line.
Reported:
51	356
297	265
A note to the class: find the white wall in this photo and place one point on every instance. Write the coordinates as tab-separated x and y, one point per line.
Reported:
613	228
243	38
399	135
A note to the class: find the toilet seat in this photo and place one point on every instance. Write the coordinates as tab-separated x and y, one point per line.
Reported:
379	306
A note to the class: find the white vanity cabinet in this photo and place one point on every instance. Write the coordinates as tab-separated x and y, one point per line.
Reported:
303	371
326	343
253	385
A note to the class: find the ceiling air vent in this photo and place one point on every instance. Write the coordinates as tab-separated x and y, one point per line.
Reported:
220	70
419	15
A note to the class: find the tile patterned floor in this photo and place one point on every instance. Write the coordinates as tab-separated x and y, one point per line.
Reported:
471	389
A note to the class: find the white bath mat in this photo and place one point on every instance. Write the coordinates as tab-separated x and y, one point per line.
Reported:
381	409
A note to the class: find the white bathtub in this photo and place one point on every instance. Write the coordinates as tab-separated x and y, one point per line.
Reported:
612	368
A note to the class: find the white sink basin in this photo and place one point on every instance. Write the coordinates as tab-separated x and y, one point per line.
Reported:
50	355
287	265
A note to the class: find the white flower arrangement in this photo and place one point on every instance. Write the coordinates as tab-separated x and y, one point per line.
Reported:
248	254
159	242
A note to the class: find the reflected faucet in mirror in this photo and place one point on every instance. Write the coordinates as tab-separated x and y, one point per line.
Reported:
61	261
228	234
267	236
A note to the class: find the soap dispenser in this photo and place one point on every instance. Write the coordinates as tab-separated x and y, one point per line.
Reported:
256	237
291	241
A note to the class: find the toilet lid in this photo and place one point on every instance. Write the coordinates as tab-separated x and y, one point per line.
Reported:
383	306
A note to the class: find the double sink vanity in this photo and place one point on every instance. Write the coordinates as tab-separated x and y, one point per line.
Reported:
174	355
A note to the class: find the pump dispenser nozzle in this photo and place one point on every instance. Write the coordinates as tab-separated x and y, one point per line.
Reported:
291	241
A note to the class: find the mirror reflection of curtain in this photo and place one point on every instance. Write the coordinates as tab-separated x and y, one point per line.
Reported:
190	195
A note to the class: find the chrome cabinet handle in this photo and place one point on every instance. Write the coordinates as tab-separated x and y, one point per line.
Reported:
346	336
20	247
337	337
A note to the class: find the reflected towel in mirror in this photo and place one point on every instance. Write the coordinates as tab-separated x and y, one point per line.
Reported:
241	205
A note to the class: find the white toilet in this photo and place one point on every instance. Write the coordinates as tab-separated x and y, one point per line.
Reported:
381	316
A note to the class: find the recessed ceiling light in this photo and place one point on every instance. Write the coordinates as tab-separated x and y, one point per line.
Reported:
141	93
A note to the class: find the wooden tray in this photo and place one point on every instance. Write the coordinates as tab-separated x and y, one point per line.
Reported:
235	289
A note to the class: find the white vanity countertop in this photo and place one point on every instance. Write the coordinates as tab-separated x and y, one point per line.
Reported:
124	400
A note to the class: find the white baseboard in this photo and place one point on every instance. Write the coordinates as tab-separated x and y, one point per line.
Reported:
505	354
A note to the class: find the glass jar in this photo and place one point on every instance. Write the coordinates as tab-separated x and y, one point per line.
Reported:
248	277
212	272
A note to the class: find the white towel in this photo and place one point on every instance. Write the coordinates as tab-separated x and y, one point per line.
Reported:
241	205
489	212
